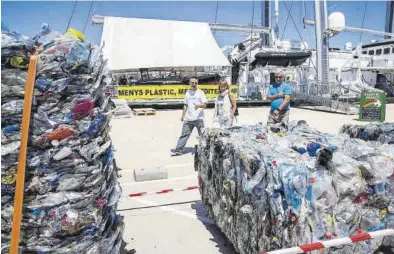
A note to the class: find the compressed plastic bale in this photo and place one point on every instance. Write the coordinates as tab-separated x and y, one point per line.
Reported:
356	148
323	200
71	193
351	248
347	217
265	193
382	132
389	240
378	168
347	177
371	219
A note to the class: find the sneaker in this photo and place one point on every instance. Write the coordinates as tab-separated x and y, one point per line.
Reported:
177	151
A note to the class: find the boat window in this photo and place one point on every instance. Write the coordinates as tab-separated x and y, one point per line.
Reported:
379	52
371	52
364	52
386	51
392	50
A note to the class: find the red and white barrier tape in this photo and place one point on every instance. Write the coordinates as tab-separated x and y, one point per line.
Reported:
331	243
138	194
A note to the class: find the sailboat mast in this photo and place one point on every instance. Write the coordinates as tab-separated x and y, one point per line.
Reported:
266	22
276	19
389	18
321	42
267	17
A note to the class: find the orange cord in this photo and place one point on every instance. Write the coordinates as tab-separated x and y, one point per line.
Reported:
20	179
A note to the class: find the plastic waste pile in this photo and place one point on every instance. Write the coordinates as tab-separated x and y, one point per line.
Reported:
382	132
71	188
270	191
122	109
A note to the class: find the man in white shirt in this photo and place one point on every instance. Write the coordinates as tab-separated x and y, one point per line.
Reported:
192	115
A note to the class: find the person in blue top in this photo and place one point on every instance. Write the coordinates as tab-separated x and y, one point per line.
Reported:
279	94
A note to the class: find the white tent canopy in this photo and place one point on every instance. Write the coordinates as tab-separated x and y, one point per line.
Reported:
133	43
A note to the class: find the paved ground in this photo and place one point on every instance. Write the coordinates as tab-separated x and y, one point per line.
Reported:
175	222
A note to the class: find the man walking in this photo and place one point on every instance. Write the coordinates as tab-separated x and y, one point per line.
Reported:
279	94
192	115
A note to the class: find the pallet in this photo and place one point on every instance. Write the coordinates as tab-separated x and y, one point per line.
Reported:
144	111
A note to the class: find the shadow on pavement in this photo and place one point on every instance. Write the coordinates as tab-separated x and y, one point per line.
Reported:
222	243
126	249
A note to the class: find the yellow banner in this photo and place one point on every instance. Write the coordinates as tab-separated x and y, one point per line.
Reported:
167	91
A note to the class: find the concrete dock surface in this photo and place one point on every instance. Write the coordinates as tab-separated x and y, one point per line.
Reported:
175	222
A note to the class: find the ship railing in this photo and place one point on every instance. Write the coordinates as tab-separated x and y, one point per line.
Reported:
332	97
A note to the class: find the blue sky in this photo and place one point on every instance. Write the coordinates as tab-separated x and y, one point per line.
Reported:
26	17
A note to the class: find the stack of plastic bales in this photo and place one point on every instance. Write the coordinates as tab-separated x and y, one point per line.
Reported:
382	132
268	191
72	188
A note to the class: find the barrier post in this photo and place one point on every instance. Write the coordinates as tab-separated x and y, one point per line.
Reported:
20	179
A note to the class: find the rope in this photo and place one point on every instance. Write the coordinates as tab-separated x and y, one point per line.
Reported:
87	18
216	12
304	8
364	35
362	24
251	34
72	14
305	15
298	32
287	19
216	15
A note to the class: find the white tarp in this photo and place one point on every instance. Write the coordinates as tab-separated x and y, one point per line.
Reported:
132	43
